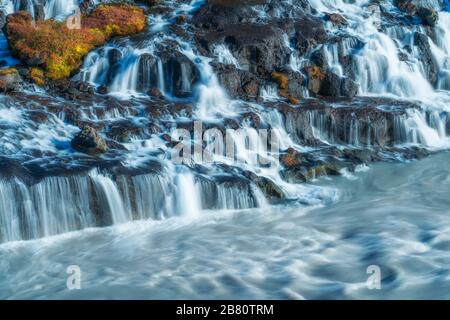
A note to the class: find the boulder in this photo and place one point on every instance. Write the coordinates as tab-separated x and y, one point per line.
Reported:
258	48
406	5
237	82
219	13
429	16
291	158
329	84
309	32
430	66
10	80
336	19
89	141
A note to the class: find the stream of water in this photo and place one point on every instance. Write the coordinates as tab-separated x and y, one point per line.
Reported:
394	216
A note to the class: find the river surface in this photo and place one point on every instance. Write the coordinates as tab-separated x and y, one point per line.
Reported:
392	215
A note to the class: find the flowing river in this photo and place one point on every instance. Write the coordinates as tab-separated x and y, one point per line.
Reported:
394	216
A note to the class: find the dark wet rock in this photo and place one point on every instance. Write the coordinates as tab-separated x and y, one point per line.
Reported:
336	19
329	84
37	116
230	78
71	90
114	56
86	6
123	130
427	58
89	141
181	109
309	32
258	48
316	75
181	19
238	83
304	167
147	72
318	58
251	88
363	156
251	118
429	16
10	168
156	93
357	121
219	13
103	89
181	31
295	82
150	166
349	88
291	158
270	189
406	5
2	19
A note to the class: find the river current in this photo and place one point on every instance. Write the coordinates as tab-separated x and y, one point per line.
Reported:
393	216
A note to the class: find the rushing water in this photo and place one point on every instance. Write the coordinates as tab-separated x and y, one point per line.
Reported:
394	216
200	231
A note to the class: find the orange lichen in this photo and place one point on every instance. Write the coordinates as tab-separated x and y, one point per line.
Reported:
7	71
283	85
281	79
316	73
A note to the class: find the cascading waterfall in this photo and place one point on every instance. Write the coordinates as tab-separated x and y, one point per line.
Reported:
61	204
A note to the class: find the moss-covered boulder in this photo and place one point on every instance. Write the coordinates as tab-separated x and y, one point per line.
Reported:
58	50
10	80
89	141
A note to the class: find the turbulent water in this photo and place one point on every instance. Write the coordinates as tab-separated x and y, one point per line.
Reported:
140	225
394	216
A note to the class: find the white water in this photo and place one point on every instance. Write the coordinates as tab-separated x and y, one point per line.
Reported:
59	9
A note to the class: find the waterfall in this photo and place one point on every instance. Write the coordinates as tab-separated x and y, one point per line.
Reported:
225	56
188	203
59	9
112	197
126	81
423	128
383	61
62	204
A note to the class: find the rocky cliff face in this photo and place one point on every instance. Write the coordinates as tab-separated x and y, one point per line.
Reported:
341	84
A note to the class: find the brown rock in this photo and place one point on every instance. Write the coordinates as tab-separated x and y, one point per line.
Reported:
89	141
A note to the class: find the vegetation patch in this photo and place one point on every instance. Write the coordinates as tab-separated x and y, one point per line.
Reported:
283	85
59	51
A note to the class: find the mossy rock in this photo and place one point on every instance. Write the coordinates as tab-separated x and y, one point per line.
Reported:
58	50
